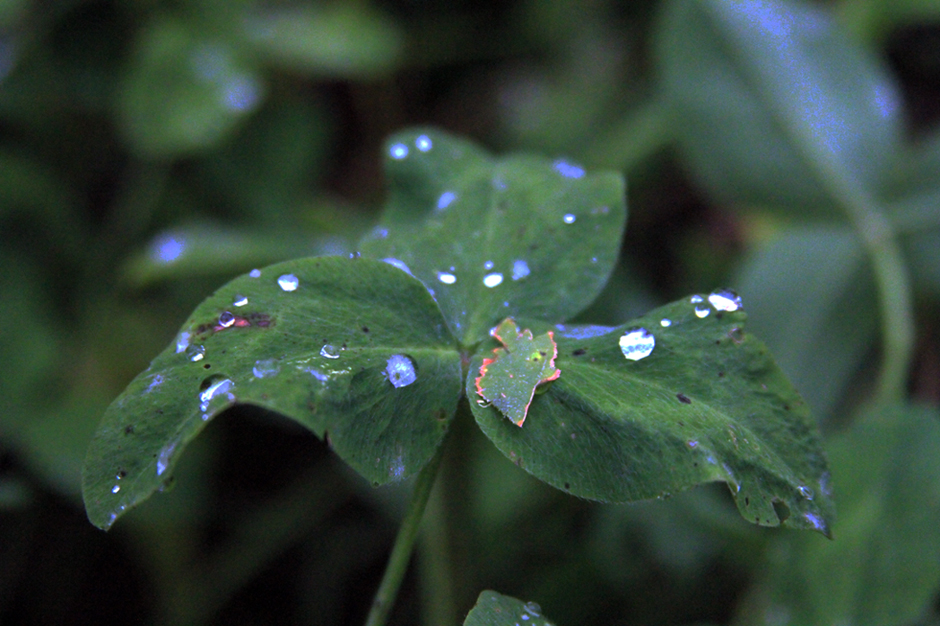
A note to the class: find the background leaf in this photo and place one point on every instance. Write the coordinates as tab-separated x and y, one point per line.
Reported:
740	75
323	340
705	403
537	237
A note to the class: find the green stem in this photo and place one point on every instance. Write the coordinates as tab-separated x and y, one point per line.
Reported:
401	551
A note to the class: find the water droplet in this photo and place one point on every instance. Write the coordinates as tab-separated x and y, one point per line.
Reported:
156	382
806	492
317	374
329	352
398	151
266	368
240	301
379	232
400	370
196	353
702	311
693	443
423	143
215	387
255	273
568	170
446	199
115	488
182	342
520	269
724	300
570	218
533	609
226	319
492	280
288	282
637	344
163	461
399	264
167	248
665	322
696	299
446	278
488	265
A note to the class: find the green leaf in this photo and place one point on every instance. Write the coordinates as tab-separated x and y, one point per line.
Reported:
492	237
673	399
351	348
884	567
746	78
495	609
819	325
184	91
508	379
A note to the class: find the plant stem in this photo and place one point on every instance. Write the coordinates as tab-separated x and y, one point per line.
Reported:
404	542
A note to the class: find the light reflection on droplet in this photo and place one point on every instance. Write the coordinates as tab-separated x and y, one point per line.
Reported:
696	299
520	269
423	143
215	390
329	352
702	311
446	278
256	273
806	492
492	280
724	300
115	488
637	344
226	319
399	264
288	282
398	151
488	265
665	322
240	301
196	353
182	342
570	218
446	199
266	368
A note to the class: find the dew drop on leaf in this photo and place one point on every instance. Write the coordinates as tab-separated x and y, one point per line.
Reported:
533	609
702	311
215	387
255	273
520	269
445	200
398	151
696	299
446	278
806	492
240	301
182	342
226	319
724	300
399	264
493	280
637	344
195	353
665	322
570	218
423	143
288	282
329	352
266	368
400	370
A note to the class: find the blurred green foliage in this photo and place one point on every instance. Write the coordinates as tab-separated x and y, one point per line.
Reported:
151	150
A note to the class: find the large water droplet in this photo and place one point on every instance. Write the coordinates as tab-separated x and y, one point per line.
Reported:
446	278
196	353
702	311
400	370
492	280
266	368
570	218
215	387
288	282
724	300
520	269
226	319
637	344
329	352
240	301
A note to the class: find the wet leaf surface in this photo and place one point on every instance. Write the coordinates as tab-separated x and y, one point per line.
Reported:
495	609
351	348
497	237
676	398
509	377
